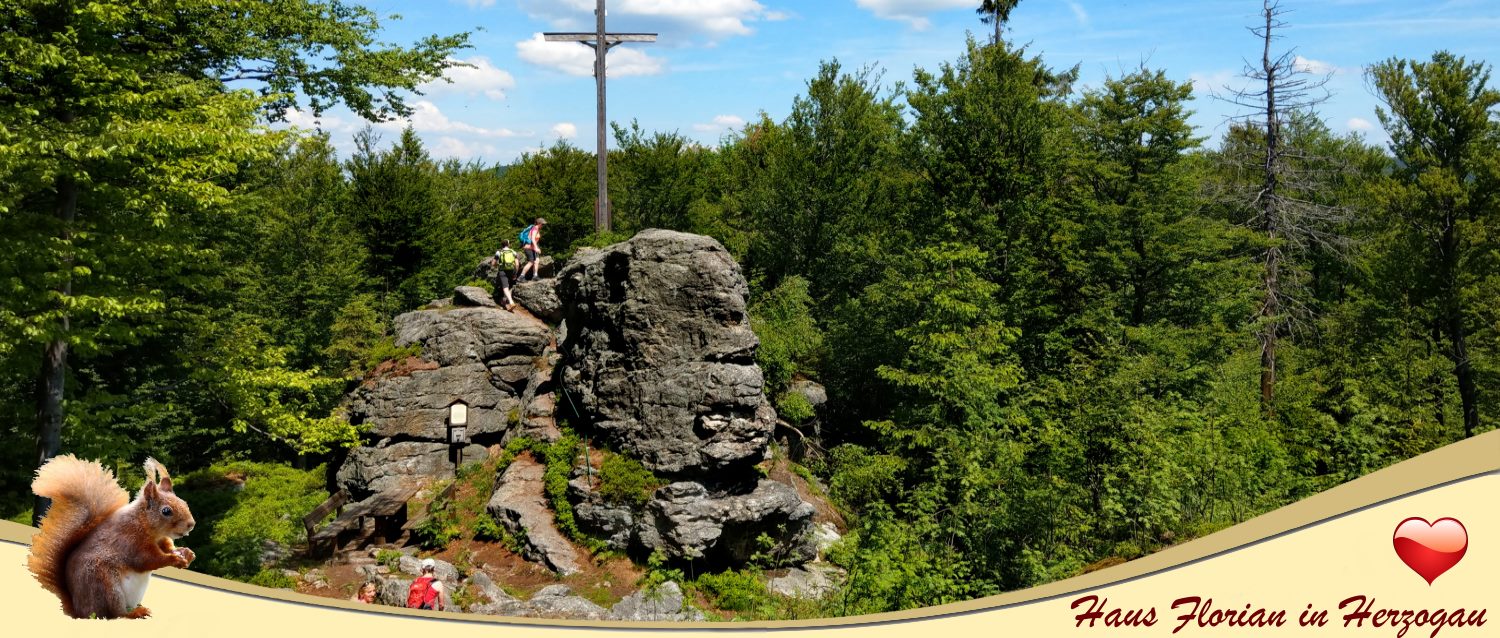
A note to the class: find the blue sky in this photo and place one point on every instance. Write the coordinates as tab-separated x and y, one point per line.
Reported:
720	63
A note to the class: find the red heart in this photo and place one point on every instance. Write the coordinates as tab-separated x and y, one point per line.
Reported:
1430	549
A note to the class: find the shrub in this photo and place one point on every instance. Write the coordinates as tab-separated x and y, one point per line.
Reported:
794	407
460	512
735	591
273	578
790	341
235	520
623	480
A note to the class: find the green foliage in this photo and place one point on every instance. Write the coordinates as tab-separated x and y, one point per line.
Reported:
624	480
458	511
390	558
559	457
794	408
735	590
658	573
239	505
273	578
790	342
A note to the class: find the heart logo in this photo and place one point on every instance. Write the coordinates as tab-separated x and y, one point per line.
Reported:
1430	549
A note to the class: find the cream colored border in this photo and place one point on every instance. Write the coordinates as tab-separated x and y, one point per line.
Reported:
1467	459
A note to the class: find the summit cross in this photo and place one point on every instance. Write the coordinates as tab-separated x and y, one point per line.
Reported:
601	41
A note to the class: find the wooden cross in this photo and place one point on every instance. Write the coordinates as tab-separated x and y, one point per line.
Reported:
601	42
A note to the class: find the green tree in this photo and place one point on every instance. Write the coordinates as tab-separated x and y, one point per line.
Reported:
1445	133
115	126
304	259
992	141
391	194
996	13
662	180
822	192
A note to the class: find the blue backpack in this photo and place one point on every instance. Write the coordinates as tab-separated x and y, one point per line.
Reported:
525	235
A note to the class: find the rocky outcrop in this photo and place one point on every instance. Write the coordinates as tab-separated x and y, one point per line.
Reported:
552	601
520	504
811	582
655	361
539	297
659	361
664	603
659	356
471	335
472	296
472	352
387	468
688	520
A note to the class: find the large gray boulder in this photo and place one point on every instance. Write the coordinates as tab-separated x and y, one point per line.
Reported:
520	505
399	467
472	296
487	358
663	603
613	523
688	520
539	297
660	357
415	406
466	335
810	582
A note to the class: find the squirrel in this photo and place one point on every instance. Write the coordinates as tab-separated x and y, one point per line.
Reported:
96	548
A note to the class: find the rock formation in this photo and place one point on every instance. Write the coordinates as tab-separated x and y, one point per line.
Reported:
659	361
659	356
650	355
472	352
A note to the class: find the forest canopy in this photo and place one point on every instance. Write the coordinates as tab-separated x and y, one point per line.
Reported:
1042	312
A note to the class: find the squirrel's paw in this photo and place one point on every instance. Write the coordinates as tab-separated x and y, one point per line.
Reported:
184	557
139	612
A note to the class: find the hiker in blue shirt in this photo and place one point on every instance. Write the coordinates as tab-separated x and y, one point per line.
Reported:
531	242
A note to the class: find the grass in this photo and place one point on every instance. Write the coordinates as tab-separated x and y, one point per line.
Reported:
239	505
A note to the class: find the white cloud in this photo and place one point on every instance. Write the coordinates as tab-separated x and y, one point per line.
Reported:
480	77
575	59
479	4
565	130
912	12
721	124
1078	12
1210	82
426	118
1313	66
714	19
1360	124
461	149
304	119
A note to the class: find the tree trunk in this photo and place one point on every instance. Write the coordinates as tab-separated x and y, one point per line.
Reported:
1462	368
1453	323
53	375
1270	308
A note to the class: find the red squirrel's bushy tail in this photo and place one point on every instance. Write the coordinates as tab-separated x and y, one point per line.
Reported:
83	495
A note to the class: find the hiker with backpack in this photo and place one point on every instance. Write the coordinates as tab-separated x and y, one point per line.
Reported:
506	260
531	242
426	592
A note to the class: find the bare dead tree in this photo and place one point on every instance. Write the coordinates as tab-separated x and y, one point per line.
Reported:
1280	185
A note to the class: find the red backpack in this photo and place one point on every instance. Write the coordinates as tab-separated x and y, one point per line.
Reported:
422	594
